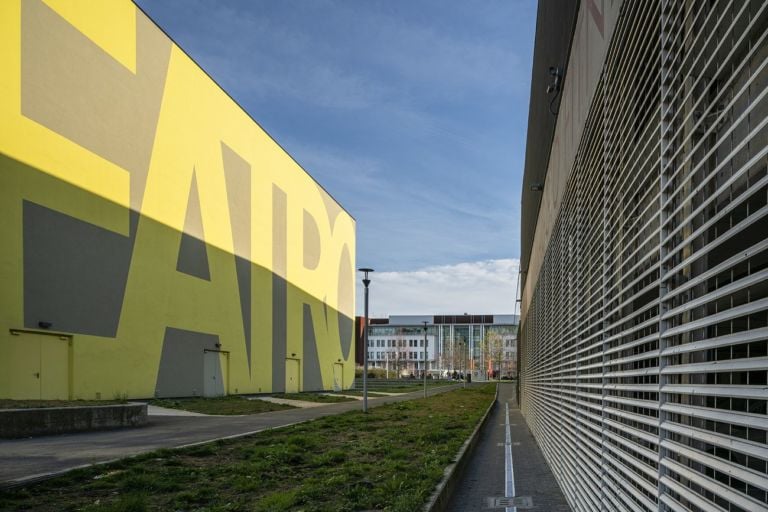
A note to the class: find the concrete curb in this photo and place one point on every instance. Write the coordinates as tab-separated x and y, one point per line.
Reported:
453	473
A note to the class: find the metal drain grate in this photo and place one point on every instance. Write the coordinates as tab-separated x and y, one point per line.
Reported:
521	502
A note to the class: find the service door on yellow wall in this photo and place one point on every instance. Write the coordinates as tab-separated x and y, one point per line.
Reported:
338	376
214	373
292	376
38	366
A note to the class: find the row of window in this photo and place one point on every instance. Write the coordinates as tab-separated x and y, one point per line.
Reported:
395	343
393	355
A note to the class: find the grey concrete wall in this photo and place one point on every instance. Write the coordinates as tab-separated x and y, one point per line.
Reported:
16	423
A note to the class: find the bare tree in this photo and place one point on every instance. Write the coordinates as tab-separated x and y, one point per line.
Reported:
494	348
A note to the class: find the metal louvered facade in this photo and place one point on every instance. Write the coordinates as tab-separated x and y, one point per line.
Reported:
644	327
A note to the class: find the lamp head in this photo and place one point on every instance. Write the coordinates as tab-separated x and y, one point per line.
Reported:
365	271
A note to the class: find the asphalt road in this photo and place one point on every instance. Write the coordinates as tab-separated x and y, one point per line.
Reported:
25	460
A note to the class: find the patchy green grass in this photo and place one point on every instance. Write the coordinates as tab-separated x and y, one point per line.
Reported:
227	405
409	386
36	404
389	459
314	397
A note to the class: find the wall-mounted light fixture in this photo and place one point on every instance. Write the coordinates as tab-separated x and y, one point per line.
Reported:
537	187
554	86
557	75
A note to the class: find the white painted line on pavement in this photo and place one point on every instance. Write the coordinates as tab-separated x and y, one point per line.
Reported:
509	471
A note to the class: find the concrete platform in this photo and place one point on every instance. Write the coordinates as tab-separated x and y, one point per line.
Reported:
44	421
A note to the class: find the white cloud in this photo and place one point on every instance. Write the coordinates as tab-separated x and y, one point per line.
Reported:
477	287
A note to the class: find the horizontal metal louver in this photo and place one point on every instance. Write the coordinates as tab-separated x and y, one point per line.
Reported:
644	347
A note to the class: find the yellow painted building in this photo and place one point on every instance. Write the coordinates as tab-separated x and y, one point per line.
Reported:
155	240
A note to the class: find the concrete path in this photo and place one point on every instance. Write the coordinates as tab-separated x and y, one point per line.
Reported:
499	466
302	404
24	460
354	397
153	410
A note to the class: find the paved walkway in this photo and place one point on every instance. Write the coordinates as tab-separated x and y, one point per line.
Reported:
153	410
303	404
30	459
486	476
353	397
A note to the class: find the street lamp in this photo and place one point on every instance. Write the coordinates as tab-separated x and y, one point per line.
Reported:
464	356
425	357
366	282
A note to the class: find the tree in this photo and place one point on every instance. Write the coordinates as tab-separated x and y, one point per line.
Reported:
494	348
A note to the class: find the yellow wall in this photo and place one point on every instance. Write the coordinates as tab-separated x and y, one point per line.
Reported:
127	122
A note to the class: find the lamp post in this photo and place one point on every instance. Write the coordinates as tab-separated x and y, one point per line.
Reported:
425	357
453	352
464	356
366	282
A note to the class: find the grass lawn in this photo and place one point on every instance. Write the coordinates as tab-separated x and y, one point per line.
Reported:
36	404
390	459
409	386
313	397
224	405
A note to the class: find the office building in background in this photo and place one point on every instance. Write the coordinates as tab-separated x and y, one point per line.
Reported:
484	346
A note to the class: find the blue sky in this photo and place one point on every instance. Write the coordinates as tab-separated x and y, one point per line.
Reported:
412	114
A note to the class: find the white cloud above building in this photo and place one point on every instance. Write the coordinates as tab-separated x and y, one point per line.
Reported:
475	287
